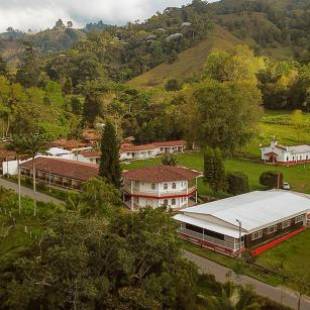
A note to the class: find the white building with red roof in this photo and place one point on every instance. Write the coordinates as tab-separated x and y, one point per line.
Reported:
285	155
174	187
60	172
129	151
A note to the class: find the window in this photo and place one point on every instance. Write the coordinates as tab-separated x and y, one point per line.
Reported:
153	186
287	159
174	186
166	202
299	218
286	224
214	234
173	202
271	229
194	228
257	235
165	186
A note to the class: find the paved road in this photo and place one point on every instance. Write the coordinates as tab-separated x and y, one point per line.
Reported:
25	191
277	294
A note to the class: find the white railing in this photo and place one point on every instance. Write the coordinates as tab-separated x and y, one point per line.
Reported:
215	241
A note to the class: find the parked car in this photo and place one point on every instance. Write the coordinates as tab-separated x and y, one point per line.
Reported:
286	186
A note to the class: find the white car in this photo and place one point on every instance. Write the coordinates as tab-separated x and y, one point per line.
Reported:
286	186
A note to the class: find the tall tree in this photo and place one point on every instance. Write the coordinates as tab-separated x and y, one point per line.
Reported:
214	170
35	143
109	161
3	67
225	114
99	197
28	73
19	146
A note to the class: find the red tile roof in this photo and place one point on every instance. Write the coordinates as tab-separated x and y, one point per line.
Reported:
129	147
68	144
160	174
63	167
171	143
7	154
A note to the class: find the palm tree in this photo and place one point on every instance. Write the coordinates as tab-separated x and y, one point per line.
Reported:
232	297
34	143
18	145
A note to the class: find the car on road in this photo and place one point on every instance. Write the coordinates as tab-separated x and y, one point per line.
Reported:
286	186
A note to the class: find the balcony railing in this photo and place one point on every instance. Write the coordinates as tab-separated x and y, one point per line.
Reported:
156	193
224	243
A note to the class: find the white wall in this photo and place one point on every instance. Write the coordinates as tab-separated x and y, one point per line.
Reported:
10	167
144	187
155	203
138	155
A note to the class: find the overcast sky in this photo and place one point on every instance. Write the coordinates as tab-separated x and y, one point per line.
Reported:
41	14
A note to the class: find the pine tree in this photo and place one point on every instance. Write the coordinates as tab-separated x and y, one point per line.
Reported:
219	174
208	171
109	161
214	171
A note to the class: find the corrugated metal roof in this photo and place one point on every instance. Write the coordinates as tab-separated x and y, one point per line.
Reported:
208	225
256	209
299	149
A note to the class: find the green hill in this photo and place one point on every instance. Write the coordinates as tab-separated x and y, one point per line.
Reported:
46	42
189	62
279	29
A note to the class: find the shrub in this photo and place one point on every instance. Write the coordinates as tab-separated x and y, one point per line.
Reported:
172	85
169	160
271	179
238	183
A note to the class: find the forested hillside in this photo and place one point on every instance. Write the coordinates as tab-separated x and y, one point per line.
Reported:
81	75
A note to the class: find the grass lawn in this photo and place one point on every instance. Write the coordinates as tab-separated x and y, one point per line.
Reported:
297	176
238	266
291	258
278	124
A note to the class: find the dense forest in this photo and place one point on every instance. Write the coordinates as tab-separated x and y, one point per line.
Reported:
69	79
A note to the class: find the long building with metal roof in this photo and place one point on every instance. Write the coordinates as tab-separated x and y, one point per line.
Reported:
234	224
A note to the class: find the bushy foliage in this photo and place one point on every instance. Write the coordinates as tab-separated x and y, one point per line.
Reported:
237	183
271	179
169	160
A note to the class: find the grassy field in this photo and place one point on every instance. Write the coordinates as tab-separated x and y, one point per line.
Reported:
278	124
273	124
290	258
297	176
238	266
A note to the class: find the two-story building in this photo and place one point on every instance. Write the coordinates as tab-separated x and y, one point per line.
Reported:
174	187
285	155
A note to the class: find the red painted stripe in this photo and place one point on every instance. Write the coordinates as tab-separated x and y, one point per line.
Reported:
276	242
163	196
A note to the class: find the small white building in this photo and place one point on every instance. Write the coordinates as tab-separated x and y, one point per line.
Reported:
60	152
174	187
246	221
92	156
287	155
129	151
